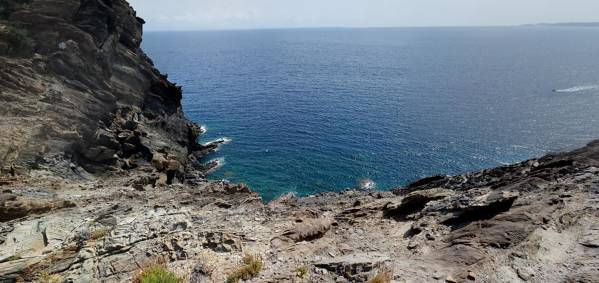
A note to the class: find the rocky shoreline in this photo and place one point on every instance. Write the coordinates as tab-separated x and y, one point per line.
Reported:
531	222
101	178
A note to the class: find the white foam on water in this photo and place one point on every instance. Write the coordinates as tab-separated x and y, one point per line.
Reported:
367	184
224	140
577	89
220	162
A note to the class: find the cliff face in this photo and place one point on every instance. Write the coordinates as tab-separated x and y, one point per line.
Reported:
76	86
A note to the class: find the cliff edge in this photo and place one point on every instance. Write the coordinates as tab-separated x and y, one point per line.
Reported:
77	90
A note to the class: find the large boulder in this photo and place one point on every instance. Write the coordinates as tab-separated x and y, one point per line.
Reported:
307	229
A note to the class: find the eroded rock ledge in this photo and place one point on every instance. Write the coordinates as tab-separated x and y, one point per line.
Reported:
531	222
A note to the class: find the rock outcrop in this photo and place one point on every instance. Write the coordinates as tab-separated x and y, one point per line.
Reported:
530	222
101	178
82	90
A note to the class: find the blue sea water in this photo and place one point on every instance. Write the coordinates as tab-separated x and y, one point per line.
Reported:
314	110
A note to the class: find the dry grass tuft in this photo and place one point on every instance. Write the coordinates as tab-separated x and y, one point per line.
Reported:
99	233
384	275
209	261
252	265
49	278
156	272
302	272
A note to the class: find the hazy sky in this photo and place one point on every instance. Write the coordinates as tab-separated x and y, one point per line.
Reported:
244	14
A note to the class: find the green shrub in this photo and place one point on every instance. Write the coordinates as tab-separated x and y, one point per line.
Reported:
14	40
251	267
157	274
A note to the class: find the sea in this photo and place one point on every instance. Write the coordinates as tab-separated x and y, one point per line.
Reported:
307	111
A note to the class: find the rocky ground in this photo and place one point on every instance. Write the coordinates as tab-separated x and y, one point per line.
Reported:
101	177
531	222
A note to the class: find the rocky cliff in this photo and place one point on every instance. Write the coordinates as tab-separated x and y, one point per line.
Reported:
77	90
101	183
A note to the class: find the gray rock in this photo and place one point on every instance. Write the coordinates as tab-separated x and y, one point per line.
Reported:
307	230
591	237
354	268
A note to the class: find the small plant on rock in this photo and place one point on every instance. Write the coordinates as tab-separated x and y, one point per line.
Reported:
99	233
383	275
302	272
208	261
252	265
14	41
49	278
156	274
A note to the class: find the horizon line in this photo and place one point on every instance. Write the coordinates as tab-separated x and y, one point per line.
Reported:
365	27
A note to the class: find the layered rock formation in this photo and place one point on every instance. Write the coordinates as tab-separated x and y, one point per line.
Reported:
101	179
76	87
531	222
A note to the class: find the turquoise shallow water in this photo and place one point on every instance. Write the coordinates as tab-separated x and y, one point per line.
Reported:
318	110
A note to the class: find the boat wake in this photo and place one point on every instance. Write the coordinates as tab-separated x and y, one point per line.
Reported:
577	89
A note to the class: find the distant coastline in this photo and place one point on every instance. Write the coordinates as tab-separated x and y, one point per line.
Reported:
572	24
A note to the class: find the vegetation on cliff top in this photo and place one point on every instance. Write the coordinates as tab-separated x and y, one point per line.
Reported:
157	274
252	265
14	40
383	275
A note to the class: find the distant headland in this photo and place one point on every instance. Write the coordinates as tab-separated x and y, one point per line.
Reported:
567	24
